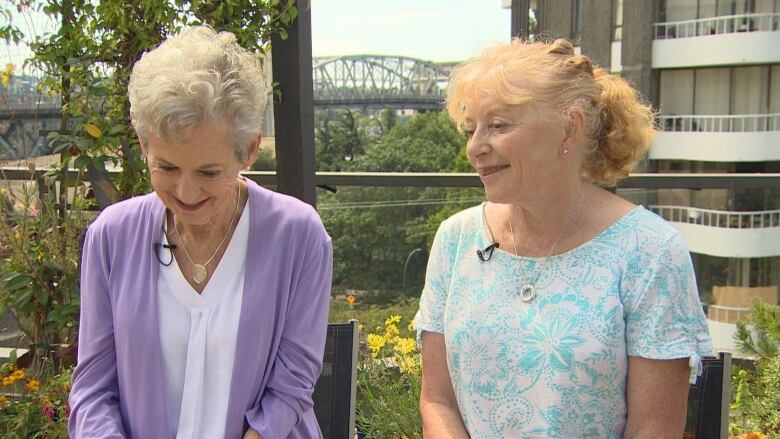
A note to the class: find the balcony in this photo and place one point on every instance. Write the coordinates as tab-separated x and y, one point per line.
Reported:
724	233
718	138
717	41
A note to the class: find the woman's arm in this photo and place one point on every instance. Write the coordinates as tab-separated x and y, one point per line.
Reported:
438	406
657	397
298	361
94	396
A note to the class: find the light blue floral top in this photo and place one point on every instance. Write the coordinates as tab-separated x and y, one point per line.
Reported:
556	367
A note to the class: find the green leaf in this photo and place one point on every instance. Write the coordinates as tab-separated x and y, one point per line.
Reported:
82	161
16	281
23	300
42	297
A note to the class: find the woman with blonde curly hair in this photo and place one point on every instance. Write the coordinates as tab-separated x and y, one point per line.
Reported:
556	308
203	304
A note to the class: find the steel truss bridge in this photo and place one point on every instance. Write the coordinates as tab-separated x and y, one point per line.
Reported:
354	81
373	81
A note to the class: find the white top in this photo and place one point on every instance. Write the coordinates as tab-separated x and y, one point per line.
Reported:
198	336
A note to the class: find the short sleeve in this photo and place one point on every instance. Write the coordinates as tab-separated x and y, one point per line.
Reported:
663	313
430	316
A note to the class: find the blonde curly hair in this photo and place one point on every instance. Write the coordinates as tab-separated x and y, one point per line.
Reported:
619	125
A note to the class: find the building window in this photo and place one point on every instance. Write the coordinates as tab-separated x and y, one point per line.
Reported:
722	90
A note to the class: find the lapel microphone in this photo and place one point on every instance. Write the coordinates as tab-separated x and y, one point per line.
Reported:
487	253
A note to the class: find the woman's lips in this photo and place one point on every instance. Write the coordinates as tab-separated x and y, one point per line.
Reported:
190	207
490	170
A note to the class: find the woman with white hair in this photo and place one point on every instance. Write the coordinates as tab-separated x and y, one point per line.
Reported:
204	303
556	308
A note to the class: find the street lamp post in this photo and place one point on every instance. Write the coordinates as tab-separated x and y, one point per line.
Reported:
406	264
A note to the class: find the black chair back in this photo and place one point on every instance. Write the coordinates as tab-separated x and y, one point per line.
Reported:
335	392
708	400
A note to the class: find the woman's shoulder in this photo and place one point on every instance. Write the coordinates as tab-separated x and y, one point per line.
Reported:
133	211
275	210
465	221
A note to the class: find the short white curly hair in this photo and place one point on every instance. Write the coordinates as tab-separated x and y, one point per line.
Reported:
198	76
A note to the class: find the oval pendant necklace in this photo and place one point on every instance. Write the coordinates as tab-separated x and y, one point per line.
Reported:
528	291
199	271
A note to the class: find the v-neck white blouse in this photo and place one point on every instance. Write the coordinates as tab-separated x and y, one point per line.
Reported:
198	337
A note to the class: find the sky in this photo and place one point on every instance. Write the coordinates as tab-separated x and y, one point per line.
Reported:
432	30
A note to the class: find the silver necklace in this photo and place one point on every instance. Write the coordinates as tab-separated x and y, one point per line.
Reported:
528	291
199	271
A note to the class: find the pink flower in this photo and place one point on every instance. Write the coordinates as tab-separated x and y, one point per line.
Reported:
48	412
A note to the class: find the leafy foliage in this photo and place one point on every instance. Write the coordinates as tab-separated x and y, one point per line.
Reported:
40	247
375	230
33	409
757	395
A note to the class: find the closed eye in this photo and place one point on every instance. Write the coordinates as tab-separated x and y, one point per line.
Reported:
209	174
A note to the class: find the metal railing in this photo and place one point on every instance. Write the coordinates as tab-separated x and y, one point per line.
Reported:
726	24
727	123
718	218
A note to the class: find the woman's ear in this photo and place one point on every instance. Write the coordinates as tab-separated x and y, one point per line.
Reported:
251	151
574	130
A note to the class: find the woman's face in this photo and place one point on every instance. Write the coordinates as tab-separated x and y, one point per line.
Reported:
196	178
515	149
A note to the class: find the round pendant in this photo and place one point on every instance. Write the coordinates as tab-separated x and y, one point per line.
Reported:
199	273
527	293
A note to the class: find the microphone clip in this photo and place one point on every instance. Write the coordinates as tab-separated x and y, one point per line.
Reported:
487	253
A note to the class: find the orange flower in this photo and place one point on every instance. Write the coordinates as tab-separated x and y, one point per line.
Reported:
351	299
33	385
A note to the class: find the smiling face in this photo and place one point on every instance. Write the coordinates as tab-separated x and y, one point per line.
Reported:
515	149
196	177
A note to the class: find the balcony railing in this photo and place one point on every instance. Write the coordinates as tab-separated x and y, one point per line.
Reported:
728	123
718	218
726	24
727	314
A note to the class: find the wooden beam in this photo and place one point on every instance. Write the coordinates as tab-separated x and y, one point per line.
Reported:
294	113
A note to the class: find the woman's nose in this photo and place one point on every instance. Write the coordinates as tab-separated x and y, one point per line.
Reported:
477	145
187	190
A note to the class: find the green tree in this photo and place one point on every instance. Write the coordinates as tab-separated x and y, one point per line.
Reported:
375	229
341	138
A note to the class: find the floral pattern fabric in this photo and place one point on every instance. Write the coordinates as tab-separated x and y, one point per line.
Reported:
556	367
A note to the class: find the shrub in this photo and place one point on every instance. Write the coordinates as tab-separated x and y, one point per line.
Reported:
31	410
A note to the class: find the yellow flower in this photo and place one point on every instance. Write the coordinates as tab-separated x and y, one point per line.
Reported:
3	400
19	374
375	343
405	346
410	326
33	385
408	364
7	381
5	75
391	331
393	320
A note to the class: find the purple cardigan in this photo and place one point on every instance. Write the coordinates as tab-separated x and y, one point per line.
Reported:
118	385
